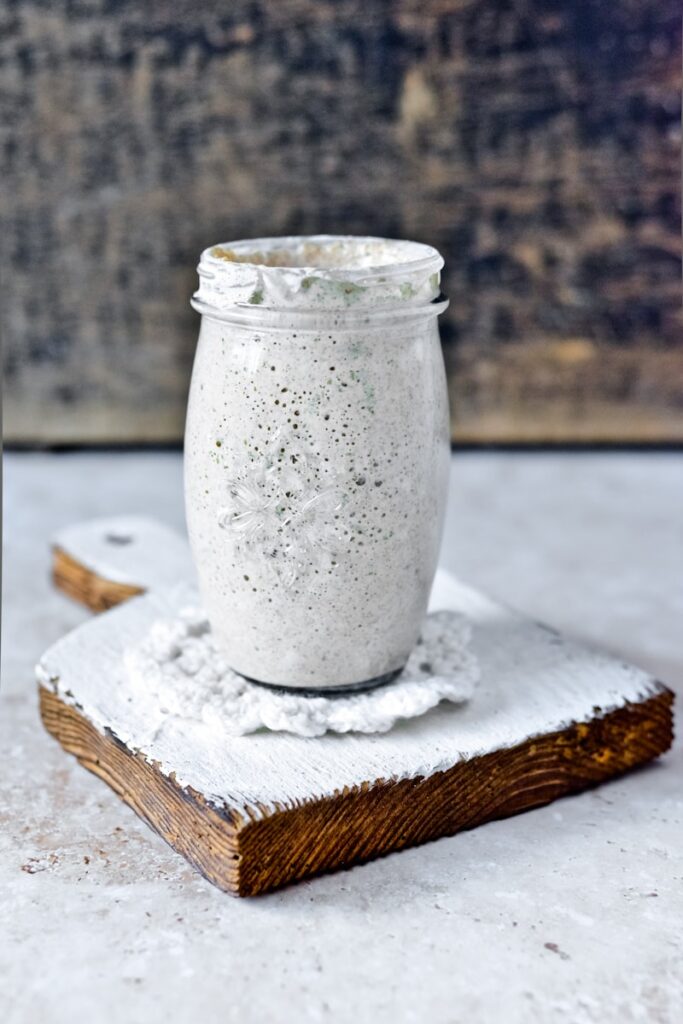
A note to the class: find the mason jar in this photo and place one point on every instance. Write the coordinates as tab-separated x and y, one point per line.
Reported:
316	455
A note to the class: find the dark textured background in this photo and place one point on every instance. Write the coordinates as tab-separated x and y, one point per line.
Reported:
535	143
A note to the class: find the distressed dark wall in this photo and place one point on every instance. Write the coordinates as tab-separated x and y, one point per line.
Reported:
535	143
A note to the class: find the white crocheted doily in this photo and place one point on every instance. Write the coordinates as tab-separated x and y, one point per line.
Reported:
178	664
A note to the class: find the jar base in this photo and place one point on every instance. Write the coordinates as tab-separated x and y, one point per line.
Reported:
345	690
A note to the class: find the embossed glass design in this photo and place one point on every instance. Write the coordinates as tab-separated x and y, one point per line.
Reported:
283	510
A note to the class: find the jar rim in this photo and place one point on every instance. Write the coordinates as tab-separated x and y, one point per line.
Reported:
318	273
318	319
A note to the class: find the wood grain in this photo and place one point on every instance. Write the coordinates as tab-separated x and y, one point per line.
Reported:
195	830
536	145
86	586
247	857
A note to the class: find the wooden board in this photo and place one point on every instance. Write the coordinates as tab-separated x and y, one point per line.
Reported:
102	562
255	813
536	145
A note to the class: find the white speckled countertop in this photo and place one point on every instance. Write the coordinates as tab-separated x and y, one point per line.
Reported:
570	913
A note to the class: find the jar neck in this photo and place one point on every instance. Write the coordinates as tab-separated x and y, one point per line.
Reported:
322	320
348	278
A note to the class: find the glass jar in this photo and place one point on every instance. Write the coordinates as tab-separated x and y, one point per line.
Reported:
316	455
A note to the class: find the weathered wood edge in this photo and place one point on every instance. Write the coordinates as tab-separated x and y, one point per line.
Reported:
179	815
250	855
83	585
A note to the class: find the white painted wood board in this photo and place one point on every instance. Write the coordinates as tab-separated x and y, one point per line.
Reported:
133	550
533	681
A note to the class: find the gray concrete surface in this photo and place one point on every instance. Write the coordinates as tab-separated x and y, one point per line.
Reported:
571	913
